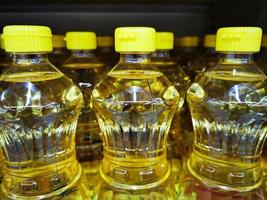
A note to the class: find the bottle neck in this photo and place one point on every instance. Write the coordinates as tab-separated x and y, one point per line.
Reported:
210	50
83	53
137	58
236	58
161	54
106	49
29	58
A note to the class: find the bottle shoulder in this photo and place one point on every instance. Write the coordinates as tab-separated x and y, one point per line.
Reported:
243	84
43	90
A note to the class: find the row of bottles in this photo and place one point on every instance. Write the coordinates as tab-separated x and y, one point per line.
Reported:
129	126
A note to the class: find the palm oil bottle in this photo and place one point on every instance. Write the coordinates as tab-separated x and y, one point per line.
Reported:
135	104
39	108
229	115
162	60
86	71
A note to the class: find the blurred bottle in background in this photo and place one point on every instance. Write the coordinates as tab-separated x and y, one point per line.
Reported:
176	47
162	60
86	71
5	59
105	52
59	54
188	52
207	59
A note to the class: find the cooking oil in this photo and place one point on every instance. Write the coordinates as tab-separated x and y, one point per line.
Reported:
39	111
135	105
5	60
188	52
59	54
261	57
162	60
86	71
207	59
229	114
106	52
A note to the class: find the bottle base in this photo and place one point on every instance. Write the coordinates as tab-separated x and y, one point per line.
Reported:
224	176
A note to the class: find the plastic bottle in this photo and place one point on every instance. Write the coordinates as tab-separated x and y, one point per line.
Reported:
135	104
39	108
86	71
229	113
105	51
59	54
5	60
207	59
163	61
188	52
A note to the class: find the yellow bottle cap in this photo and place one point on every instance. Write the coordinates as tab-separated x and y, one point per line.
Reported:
189	41
264	41
239	39
2	44
81	40
23	38
164	40
58	41
210	40
105	41
135	39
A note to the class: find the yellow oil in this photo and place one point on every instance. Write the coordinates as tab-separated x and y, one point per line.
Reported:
86	73
39	111
177	143
134	107
229	113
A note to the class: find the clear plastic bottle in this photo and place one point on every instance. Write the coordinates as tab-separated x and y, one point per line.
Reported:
229	112
5	59
162	60
86	71
59	54
207	59
105	51
135	104
39	108
188	52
